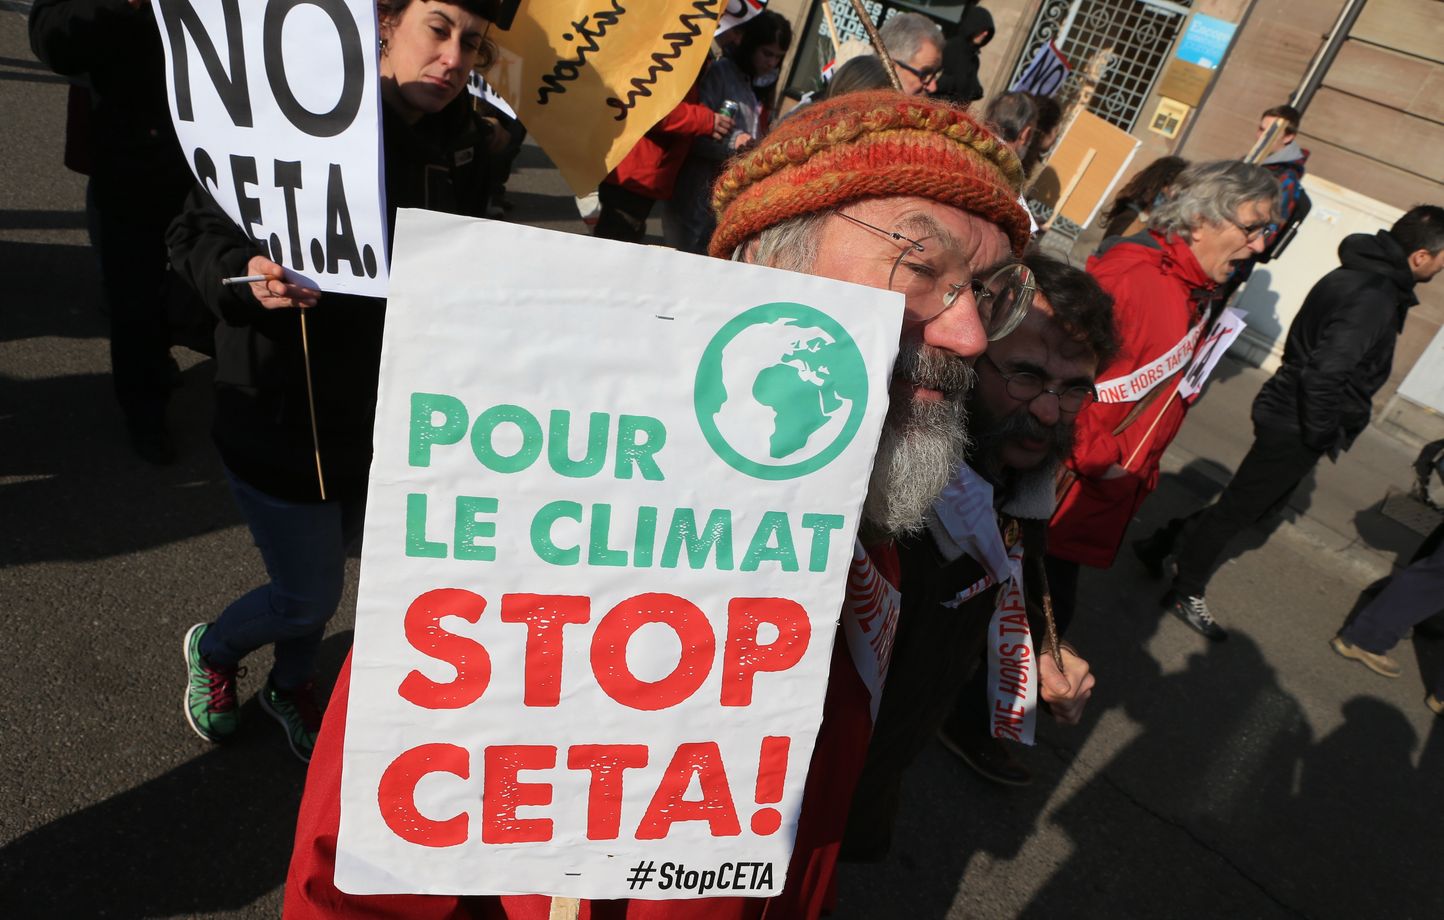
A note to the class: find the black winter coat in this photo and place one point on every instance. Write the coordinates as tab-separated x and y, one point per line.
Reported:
1340	347
961	58
262	421
119	49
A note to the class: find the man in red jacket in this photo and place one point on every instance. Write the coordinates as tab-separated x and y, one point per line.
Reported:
648	172
876	189
1161	281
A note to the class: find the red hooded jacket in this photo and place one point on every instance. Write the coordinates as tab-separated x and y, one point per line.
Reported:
650	169
1159	292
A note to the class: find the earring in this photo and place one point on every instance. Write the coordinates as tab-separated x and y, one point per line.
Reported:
383	47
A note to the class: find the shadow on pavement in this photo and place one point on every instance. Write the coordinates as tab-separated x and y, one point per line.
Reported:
214	834
67	460
1220	800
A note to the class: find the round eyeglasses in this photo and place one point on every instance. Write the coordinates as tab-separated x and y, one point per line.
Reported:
1025	386
1002	298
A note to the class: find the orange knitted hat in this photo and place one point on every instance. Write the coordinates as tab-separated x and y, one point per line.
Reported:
874	144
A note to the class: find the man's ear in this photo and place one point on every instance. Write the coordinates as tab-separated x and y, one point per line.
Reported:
749	250
1418	257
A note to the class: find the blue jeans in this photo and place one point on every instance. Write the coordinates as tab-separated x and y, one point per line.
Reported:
304	547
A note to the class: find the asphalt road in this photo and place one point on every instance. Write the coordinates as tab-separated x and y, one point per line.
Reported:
1260	778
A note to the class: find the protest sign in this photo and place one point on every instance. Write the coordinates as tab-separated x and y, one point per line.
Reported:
277	110
1086	164
610	521
1044	73
589	77
1219	338
476	85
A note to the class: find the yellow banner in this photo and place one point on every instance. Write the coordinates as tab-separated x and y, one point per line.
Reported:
589	77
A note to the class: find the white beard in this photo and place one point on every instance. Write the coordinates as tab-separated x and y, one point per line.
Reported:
923	442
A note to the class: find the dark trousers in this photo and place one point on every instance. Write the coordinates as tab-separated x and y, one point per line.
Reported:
304	547
1410	597
624	214
1271	470
129	221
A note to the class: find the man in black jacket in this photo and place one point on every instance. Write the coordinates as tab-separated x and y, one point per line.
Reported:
138	183
1339	352
962	57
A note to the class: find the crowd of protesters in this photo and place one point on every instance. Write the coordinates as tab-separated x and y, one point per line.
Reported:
1006	437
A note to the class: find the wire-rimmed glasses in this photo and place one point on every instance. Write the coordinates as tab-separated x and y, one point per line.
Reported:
1002	298
1026	386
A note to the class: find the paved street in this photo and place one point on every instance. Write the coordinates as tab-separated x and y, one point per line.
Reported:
1259	778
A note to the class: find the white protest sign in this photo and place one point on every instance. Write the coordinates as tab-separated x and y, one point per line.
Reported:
1221	336
476	85
610	522
1044	73
277	110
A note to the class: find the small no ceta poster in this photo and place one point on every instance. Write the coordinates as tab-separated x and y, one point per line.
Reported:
612	511
277	109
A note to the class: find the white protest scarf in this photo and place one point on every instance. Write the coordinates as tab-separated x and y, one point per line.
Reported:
1012	673
869	622
1136	384
589	77
964	522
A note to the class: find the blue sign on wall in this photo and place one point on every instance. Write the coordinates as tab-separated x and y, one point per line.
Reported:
1205	41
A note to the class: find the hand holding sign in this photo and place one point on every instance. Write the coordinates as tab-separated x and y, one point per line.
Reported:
276	293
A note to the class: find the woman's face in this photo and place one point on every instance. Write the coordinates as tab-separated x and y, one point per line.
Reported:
430	49
767	59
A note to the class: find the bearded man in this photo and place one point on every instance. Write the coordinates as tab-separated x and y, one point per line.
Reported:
874	188
1031	386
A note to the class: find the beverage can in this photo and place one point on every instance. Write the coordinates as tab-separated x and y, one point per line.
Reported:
729	108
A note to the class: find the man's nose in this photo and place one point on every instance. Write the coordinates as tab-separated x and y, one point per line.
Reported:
1258	244
1045	408
958	329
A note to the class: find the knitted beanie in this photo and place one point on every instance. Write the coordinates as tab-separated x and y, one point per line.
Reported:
875	144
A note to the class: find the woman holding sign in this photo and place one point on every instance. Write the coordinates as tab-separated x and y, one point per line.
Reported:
294	430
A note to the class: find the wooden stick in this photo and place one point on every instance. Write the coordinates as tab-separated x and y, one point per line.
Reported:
565	909
1072	184
877	45
831	27
1048	621
1149	433
311	403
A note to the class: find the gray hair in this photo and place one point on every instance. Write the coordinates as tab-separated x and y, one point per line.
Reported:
1213	192
790	245
1012	114
904	34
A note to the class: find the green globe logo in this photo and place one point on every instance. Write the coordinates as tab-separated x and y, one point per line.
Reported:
780	391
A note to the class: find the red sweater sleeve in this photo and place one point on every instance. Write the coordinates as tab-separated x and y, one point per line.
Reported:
689	118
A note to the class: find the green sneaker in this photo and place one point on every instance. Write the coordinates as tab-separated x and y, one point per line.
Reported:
210	701
298	714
